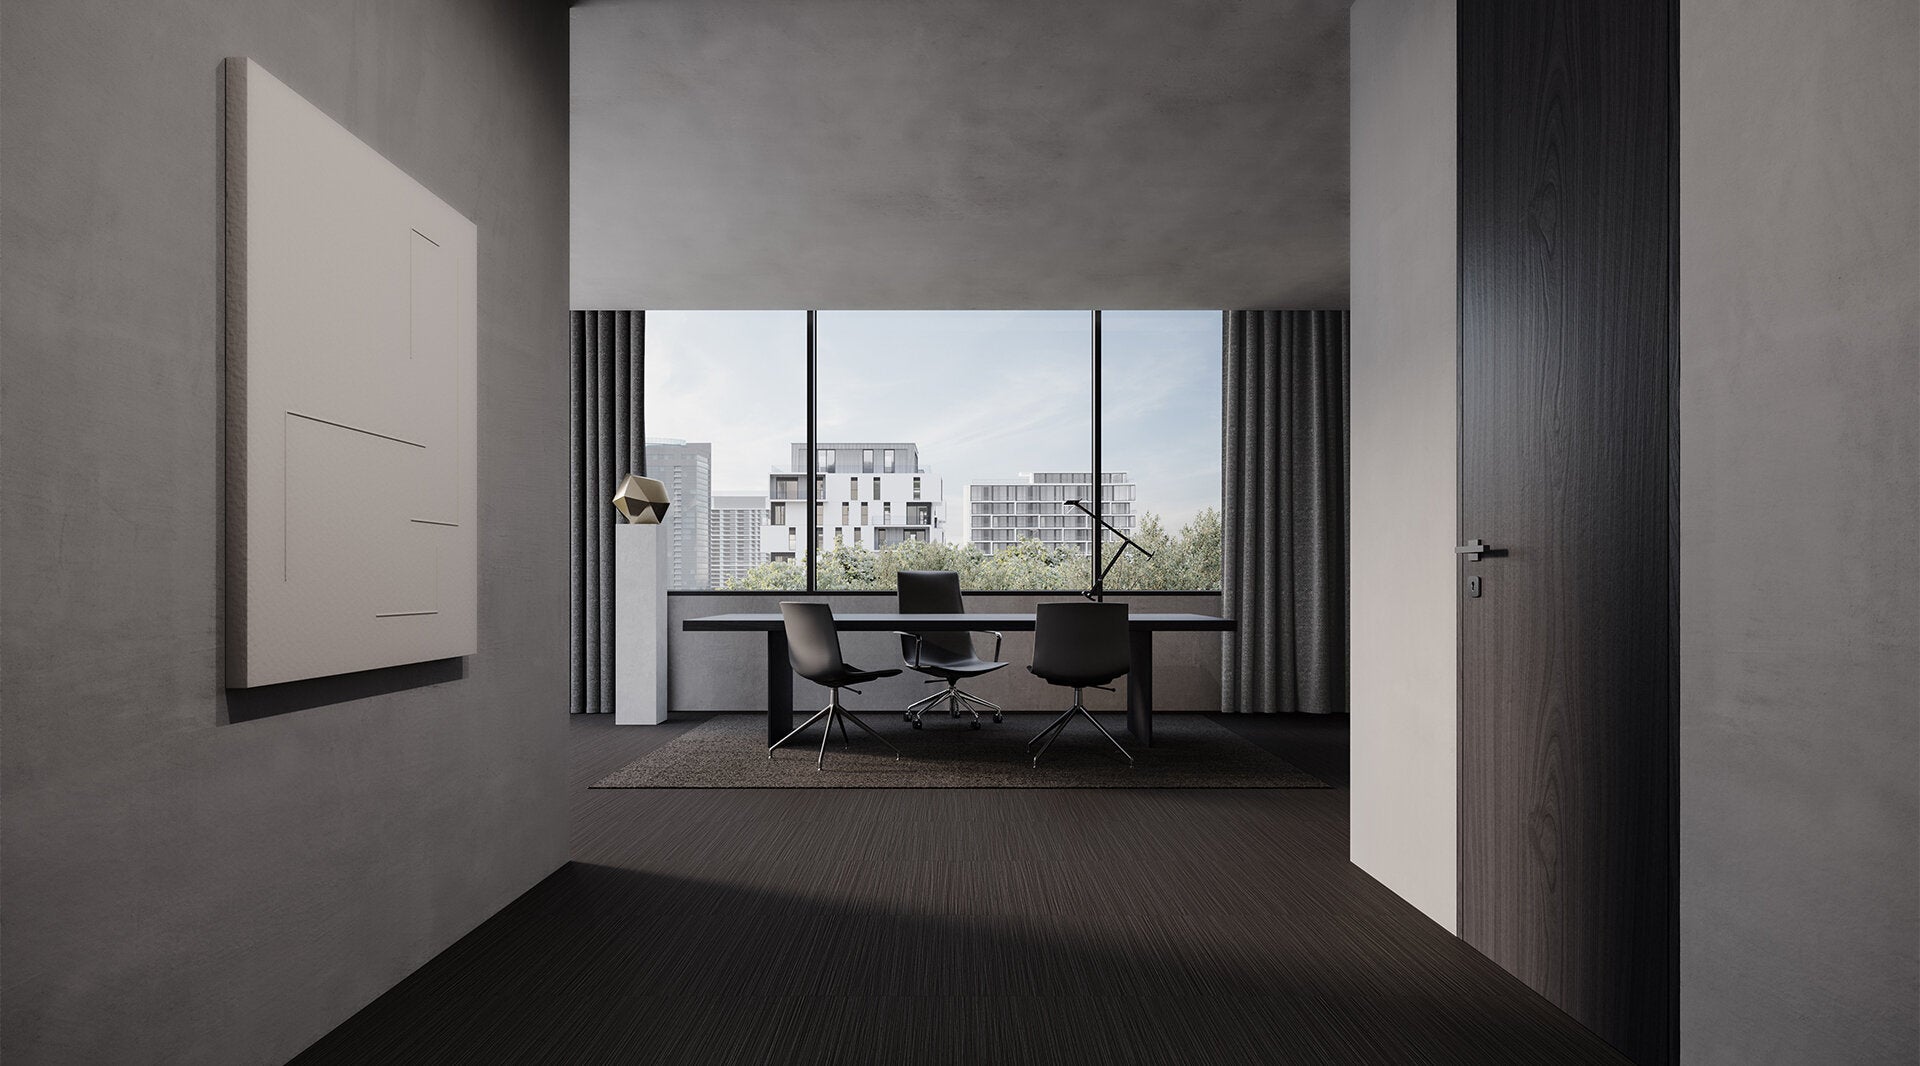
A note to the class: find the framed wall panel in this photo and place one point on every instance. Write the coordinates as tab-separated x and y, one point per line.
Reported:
351	477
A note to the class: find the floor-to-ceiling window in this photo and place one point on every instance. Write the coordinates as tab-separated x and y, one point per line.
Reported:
986	416
726	398
881	441
1160	446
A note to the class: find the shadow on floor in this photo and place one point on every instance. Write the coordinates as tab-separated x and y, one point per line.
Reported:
602	964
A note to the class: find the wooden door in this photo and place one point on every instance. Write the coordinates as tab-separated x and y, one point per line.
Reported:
1567	470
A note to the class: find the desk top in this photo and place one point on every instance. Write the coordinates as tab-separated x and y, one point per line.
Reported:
941	623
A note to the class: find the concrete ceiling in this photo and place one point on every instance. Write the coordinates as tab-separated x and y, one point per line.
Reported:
959	153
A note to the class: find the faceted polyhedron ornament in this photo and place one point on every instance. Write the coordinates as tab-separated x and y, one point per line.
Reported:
642	499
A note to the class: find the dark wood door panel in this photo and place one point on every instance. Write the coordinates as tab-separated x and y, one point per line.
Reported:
1566	252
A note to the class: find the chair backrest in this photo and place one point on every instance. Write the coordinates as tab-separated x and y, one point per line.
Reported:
1080	643
813	644
935	592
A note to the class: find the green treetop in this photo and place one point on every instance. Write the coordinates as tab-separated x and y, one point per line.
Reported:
1185	561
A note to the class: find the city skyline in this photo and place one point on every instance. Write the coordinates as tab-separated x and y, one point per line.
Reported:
1122	501
870	490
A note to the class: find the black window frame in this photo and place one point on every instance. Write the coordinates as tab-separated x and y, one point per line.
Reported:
816	477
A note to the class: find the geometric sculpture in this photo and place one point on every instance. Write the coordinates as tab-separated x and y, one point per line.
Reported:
351	475
642	499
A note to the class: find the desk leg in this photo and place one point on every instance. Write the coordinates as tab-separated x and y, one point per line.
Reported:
779	688
1140	686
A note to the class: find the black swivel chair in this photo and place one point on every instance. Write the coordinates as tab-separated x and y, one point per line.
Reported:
945	657
1078	646
813	647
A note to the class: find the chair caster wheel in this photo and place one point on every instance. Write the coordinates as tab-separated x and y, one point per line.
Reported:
975	724
999	717
916	723
906	716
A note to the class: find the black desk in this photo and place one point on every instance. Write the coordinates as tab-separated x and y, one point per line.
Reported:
780	672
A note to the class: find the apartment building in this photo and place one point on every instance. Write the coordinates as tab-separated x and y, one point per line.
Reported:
867	494
1034	507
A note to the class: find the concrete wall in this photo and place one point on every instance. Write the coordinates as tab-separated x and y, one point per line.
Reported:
728	672
189	879
1800	531
1405	499
993	153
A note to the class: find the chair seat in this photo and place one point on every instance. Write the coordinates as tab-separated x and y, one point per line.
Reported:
956	668
1073	681
854	676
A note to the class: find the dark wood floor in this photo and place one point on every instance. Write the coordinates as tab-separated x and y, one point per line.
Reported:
960	926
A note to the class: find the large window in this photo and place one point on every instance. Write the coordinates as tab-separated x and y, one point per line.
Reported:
952	440
726	397
987	420
1160	446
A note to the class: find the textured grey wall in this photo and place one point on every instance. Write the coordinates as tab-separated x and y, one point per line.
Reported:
727	671
1405	488
993	153
181	885
1800	531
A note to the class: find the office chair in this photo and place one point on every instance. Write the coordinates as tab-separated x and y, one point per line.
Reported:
946	657
813	648
1078	646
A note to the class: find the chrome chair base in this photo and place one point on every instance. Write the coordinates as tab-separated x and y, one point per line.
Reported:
834	713
958	699
1059	725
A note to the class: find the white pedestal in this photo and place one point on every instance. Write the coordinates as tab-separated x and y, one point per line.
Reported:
639	625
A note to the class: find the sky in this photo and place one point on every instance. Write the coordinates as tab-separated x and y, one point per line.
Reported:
987	395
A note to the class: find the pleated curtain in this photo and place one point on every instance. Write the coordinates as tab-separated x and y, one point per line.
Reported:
609	442
1284	457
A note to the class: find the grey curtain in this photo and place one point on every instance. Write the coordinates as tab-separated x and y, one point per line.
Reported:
609	442
1284	486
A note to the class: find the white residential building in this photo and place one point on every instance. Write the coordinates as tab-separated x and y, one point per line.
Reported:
733	539
868	494
1003	513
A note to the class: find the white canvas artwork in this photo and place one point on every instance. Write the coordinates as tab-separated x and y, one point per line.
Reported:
351	471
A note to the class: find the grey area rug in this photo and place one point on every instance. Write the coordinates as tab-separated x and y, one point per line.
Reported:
730	751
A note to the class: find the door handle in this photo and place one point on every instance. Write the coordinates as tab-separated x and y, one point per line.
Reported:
1473	549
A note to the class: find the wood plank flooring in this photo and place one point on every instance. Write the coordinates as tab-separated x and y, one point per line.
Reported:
960	926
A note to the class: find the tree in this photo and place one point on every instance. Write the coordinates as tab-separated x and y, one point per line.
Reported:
1187	561
773	575
1184	562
